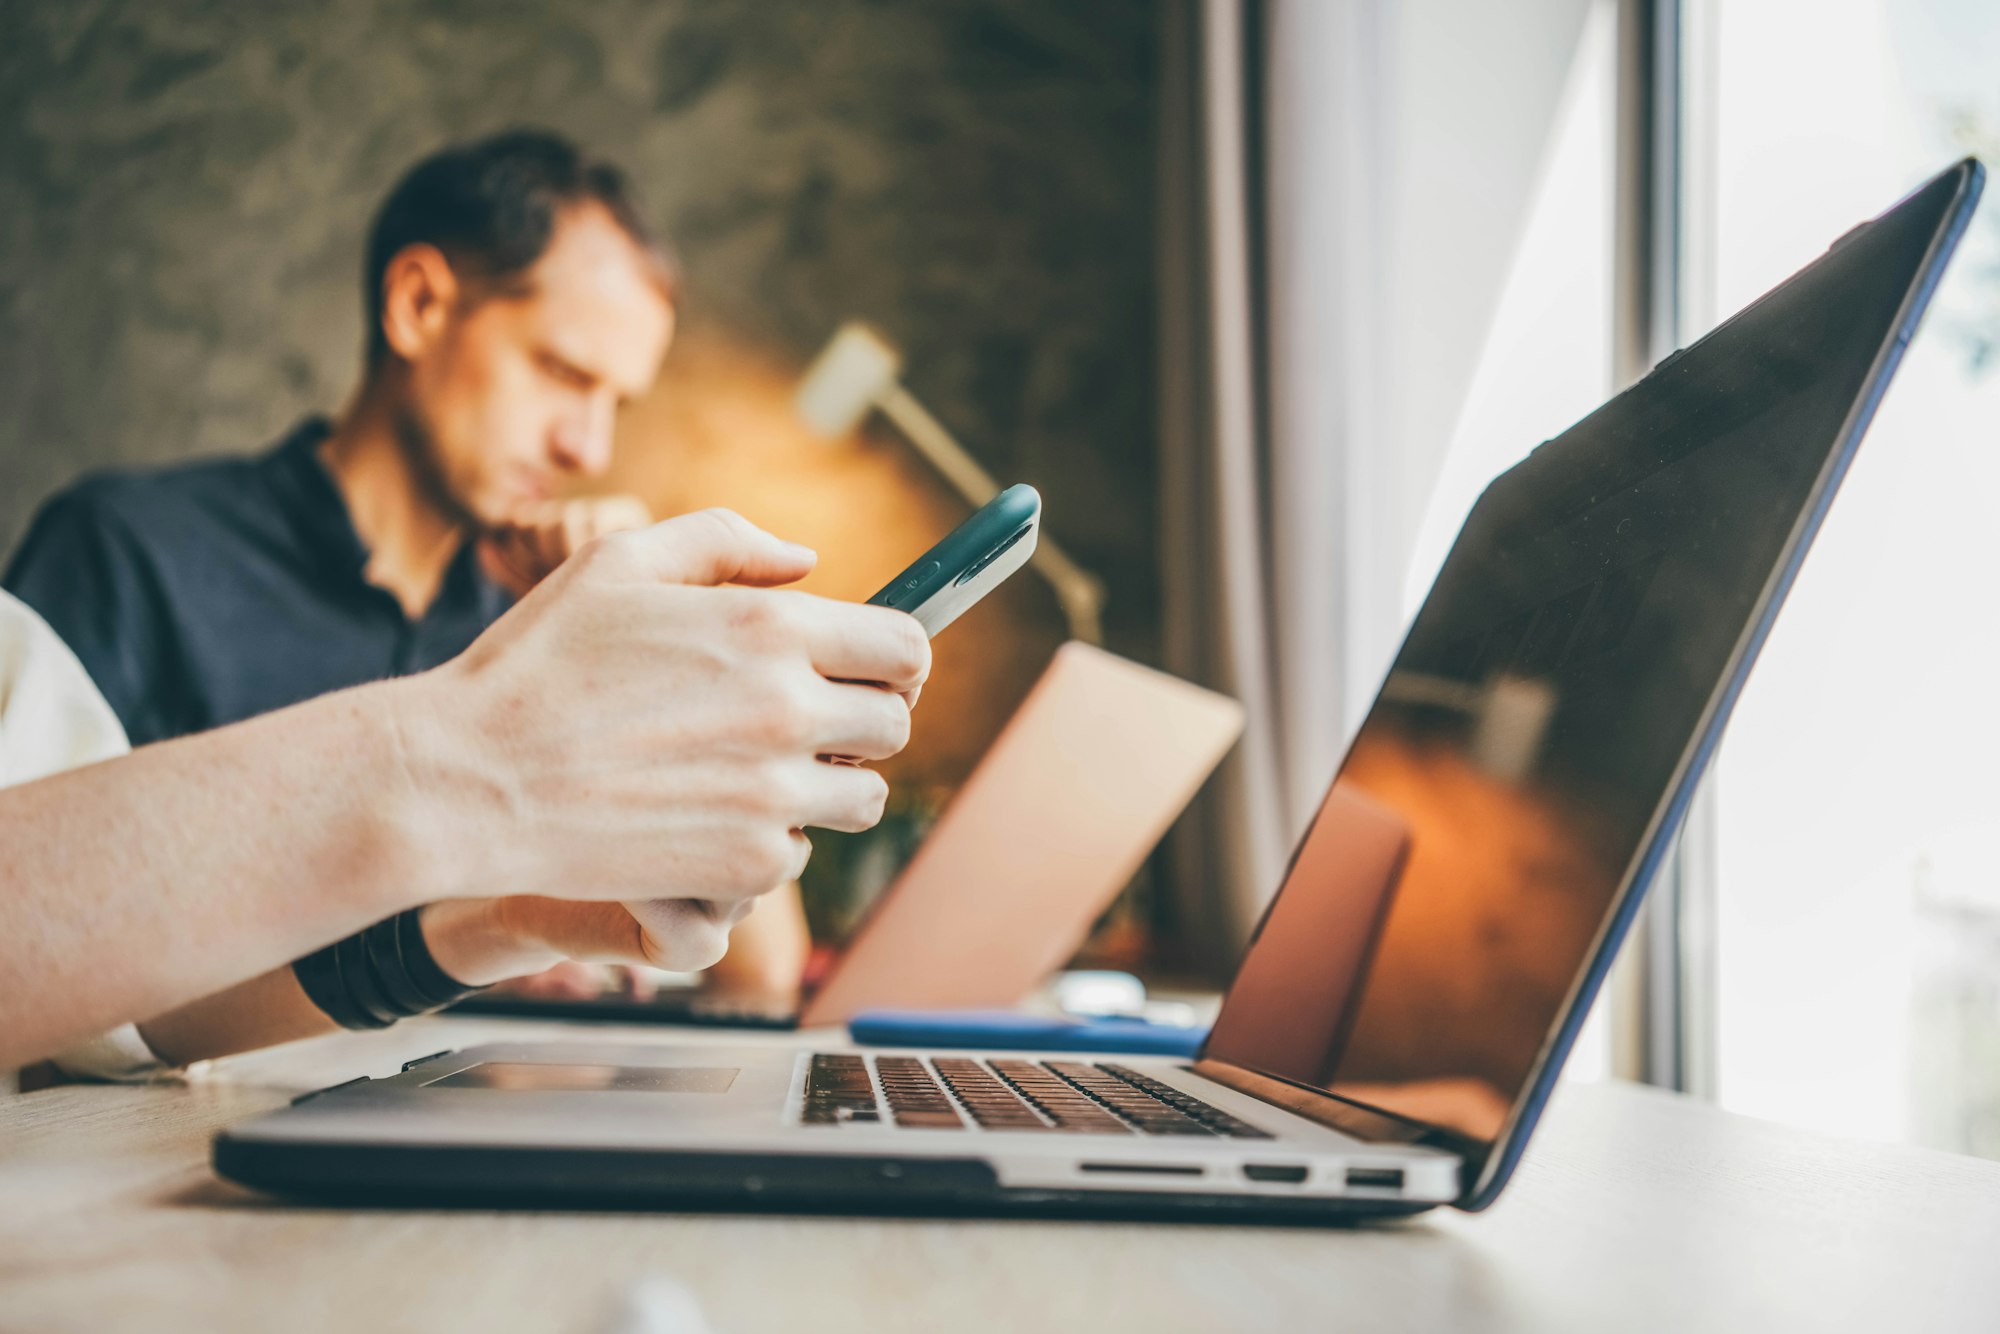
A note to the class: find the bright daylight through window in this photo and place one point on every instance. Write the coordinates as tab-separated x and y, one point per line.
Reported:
1858	890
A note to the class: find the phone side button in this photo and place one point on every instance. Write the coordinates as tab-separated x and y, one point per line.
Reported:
915	581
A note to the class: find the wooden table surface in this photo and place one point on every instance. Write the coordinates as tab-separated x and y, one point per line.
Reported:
1635	1210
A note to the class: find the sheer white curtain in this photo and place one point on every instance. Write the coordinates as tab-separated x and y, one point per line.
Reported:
1343	184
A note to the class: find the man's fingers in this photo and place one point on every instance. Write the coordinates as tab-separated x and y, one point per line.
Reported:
529	545
520	552
503	560
591	932
854	642
802	851
865	722
679	934
716	546
578	524
596	516
684	935
614	514
840	797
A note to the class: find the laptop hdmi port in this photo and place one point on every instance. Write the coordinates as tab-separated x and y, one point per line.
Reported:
1292	1173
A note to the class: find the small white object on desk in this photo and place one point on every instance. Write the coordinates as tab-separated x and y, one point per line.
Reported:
1100	993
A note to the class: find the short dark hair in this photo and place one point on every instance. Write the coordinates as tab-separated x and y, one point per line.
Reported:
491	206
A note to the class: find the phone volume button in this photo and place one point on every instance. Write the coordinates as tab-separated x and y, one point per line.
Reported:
917	580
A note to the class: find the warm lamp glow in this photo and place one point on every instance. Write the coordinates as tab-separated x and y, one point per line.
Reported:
848	378
859	371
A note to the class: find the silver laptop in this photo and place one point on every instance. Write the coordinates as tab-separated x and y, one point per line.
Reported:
1400	1018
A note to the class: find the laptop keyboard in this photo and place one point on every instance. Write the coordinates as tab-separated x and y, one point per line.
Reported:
956	1093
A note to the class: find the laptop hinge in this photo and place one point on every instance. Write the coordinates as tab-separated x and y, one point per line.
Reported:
1349	1118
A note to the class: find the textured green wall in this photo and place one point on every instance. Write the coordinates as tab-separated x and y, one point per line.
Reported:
184	185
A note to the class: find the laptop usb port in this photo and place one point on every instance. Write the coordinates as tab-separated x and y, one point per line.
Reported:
1375	1178
1290	1173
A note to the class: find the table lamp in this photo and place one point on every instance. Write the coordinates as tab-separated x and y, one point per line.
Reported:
859	371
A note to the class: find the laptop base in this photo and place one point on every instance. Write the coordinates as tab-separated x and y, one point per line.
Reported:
527	1177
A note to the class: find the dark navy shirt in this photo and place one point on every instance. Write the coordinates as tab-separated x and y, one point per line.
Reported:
210	592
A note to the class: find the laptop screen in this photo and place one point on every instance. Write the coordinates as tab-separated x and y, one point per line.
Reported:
1538	721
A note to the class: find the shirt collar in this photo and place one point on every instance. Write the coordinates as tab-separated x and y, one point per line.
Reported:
306	492
309	496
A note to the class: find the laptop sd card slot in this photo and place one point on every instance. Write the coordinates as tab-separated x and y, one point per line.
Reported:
1146	1169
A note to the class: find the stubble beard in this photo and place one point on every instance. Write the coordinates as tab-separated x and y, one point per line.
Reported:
425	459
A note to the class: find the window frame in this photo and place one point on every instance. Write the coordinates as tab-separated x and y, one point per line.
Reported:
1663	989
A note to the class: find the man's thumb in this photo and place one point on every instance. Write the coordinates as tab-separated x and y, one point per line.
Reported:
719	546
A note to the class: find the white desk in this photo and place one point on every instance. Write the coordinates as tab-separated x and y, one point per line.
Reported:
1634	1211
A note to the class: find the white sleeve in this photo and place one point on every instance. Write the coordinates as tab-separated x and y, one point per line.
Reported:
119	1057
52	718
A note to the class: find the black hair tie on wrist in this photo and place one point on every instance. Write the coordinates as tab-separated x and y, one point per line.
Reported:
439	987
377	976
320	978
363	987
384	948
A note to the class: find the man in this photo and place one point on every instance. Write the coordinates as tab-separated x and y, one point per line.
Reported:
515	301
655	803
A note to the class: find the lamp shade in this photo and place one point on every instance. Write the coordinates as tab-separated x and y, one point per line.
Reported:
848	378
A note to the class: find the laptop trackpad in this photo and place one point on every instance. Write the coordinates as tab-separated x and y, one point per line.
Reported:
533	1077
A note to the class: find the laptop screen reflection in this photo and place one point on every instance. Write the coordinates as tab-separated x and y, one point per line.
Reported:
1522	763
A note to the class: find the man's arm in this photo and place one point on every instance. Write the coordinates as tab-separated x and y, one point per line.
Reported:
625	731
132	885
475	941
480	942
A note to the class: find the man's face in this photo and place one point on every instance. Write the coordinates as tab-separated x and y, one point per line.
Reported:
521	388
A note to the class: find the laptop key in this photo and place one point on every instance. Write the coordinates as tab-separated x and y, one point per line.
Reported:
1064	1108
1214	1118
838	1091
1147	1114
991	1104
1008	1095
915	1100
1151	1105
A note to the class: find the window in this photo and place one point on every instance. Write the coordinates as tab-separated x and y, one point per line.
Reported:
1857	800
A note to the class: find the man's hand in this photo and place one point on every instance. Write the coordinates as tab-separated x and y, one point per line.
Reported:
630	730
634	729
480	941
521	553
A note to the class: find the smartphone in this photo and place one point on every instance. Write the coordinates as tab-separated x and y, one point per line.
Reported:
970	562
